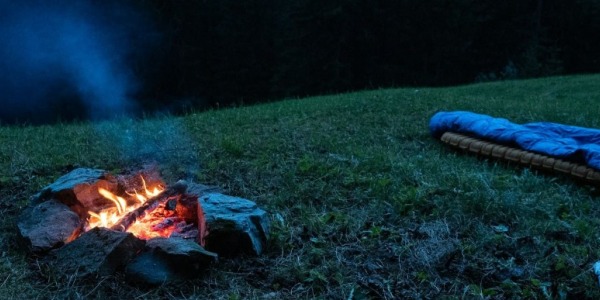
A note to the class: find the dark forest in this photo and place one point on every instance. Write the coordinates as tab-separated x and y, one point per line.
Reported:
192	55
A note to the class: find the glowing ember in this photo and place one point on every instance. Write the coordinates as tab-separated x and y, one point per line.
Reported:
159	222
110	216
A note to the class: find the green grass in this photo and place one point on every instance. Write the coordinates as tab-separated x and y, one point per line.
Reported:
364	203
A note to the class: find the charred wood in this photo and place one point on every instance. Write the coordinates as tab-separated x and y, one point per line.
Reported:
170	193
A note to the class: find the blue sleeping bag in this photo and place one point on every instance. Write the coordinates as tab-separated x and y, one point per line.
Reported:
578	144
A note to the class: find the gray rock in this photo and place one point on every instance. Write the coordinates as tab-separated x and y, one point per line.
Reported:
69	181
97	252
78	189
48	225
148	269
181	251
231	225
199	190
167	260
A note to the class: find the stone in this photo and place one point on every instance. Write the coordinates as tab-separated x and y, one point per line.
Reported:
48	225
148	269
231	225
98	252
198	189
182	251
69	181
169	259
79	190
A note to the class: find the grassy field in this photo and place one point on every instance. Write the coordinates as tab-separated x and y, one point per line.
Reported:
364	203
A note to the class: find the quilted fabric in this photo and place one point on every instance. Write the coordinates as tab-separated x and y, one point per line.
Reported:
578	144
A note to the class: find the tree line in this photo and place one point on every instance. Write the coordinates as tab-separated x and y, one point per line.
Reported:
201	53
232	51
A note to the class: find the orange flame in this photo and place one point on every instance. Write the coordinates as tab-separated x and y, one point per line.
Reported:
120	203
110	216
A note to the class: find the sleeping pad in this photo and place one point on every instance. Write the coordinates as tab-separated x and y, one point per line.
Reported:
573	143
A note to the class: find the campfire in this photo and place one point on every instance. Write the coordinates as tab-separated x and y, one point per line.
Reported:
146	213
90	222
111	216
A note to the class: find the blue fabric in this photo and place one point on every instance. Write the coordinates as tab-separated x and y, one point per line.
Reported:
573	143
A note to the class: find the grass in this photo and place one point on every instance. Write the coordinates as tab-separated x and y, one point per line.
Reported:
364	203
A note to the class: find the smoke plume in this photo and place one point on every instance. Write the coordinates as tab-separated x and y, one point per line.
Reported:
68	59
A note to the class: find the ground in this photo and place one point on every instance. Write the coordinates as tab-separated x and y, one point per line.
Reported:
364	203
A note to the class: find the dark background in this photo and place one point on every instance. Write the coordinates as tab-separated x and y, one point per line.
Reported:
231	52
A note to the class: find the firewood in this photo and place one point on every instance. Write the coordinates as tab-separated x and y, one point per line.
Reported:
177	189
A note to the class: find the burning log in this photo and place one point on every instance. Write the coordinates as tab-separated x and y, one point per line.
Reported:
176	190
